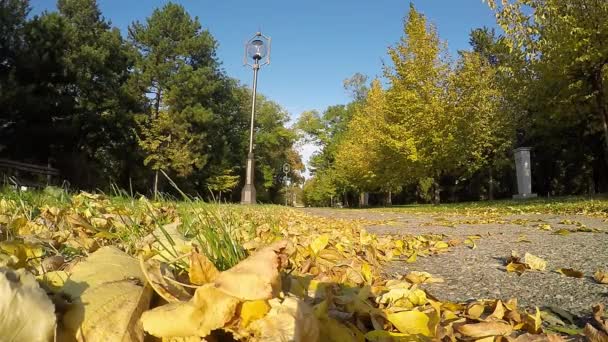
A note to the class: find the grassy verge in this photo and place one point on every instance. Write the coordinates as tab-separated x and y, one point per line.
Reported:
593	206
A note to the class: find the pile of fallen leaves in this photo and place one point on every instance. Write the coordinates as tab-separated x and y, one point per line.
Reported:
96	270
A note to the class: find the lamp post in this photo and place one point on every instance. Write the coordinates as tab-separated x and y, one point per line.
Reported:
257	48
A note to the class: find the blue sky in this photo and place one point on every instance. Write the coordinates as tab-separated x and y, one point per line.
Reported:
316	43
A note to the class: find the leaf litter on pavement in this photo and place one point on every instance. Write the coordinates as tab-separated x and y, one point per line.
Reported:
94	269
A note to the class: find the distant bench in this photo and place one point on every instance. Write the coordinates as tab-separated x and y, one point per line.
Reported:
33	169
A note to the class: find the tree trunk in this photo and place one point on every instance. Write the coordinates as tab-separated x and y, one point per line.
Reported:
389	198
157	104
601	103
156	185
436	193
491	184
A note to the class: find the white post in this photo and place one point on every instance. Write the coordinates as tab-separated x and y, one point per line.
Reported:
524	173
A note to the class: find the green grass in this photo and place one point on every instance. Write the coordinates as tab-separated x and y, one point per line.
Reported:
597	205
215	229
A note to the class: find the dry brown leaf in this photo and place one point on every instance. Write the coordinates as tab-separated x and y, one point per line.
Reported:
202	270
26	312
569	272
485	329
527	337
595	335
156	273
108	297
257	277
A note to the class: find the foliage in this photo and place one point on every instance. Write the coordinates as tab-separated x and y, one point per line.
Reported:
225	182
562	67
168	145
108	110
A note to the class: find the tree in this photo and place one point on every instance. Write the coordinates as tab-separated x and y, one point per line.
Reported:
167	146
178	66
564	47
224	182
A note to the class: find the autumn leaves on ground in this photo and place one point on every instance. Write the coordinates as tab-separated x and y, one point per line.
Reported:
90	268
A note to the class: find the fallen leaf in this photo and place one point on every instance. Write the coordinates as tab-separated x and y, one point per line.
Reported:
26	312
601	277
410	322
255	278
475	310
287	320
319	244
594	334
208	310
533	322
569	272
485	329
515	267
562	231
535	262
499	311
253	310
109	295
201	270
159	276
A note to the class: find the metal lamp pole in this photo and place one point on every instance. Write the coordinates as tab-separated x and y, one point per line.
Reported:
257	48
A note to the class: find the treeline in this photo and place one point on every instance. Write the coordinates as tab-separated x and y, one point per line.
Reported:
109	110
437	128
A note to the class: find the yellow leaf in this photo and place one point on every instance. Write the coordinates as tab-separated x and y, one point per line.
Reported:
108	295
516	267
255	278
54	280
533	322
208	310
24	252
569	272
319	244
410	322
544	226
499	310
485	329
332	330
26	312
535	262
252	310
366	271
383	336
202	270
416	277
411	258
601	277
157	273
288	320
475	310
441	245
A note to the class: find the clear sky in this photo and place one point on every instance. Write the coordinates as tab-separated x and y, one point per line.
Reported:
316	44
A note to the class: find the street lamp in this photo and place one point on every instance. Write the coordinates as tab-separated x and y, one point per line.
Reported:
258	49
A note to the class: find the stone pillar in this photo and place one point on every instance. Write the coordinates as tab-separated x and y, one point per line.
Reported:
364	199
524	173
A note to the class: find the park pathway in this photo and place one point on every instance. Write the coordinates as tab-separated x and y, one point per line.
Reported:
480	273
